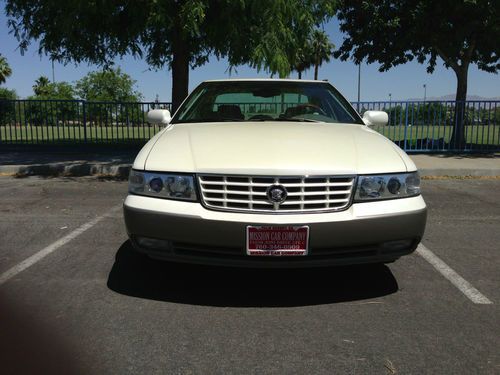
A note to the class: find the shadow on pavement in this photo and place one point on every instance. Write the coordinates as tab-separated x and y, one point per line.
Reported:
31	344
37	157
136	275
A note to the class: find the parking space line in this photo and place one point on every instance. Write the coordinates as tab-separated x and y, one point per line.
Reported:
28	262
463	285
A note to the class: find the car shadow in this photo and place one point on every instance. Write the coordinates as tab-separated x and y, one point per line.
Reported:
136	275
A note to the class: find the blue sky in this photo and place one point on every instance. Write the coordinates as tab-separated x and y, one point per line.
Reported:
403	82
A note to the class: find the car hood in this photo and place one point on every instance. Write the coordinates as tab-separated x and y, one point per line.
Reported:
273	148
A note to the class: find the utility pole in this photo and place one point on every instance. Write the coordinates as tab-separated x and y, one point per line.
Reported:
359	83
53	74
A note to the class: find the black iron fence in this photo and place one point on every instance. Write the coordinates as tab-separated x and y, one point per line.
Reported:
75	121
416	126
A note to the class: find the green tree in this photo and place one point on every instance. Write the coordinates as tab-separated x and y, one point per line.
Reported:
5	70
313	51
321	49
111	85
52	103
176	34
7	94
53	90
460	32
430	113
302	59
7	105
41	86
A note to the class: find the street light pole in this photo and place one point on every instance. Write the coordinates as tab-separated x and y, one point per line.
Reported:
53	74
425	92
359	83
390	107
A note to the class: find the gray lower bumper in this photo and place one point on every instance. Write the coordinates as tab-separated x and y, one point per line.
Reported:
199	240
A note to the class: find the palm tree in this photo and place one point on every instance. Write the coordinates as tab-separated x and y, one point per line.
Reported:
322	49
303	59
41	86
5	70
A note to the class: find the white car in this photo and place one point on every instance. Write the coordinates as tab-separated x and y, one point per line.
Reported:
272	173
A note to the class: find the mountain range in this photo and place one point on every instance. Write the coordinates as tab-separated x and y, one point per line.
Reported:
452	98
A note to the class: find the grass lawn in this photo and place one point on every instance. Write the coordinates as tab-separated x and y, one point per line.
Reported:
474	134
58	134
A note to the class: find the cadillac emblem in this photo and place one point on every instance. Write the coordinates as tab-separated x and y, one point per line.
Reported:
276	194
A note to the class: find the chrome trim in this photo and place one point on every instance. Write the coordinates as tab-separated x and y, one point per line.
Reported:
218	184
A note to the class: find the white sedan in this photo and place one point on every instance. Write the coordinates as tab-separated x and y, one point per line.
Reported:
272	173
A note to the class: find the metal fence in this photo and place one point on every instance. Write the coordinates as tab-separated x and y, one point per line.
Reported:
429	126
75	121
416	126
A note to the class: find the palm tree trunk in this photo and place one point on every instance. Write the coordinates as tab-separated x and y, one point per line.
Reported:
316	66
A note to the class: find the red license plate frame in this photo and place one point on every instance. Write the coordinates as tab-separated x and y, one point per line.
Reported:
286	240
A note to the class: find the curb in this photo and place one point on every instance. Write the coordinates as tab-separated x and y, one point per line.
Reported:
458	172
122	170
70	170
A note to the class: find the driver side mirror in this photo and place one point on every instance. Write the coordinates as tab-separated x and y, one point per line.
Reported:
375	118
159	116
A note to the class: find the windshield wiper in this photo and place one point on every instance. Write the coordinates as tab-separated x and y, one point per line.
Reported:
243	120
208	120
299	119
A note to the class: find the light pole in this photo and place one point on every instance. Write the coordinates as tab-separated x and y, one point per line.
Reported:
359	83
425	92
390	105
53	74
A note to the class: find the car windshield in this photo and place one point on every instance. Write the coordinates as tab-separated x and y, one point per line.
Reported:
266	101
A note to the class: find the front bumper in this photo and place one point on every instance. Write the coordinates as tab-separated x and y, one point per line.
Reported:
196	235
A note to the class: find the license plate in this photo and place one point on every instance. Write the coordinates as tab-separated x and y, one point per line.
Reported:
277	241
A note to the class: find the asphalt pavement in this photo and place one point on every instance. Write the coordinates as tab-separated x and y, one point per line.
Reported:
75	298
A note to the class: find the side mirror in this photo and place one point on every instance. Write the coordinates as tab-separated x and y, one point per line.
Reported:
375	118
159	116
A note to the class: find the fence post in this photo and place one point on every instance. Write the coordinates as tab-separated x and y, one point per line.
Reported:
84	113
406	126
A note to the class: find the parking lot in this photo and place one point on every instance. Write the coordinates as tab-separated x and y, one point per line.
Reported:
74	297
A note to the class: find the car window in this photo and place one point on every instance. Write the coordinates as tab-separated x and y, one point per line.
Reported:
266	101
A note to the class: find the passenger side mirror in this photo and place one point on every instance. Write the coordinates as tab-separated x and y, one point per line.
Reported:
375	118
159	116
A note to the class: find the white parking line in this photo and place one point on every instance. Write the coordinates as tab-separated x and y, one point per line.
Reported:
463	285
28	262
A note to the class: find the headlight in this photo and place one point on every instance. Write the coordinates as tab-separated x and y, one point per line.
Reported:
162	185
387	186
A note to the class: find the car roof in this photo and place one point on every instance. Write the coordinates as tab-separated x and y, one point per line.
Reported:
265	80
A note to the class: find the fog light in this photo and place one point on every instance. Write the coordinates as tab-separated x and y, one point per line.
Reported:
398	245
153	243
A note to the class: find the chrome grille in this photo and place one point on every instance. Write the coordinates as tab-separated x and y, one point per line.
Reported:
248	193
